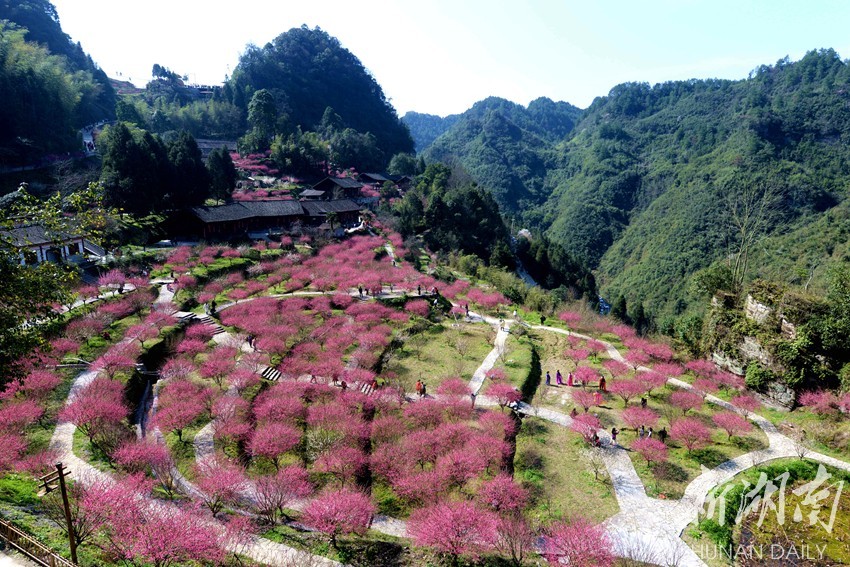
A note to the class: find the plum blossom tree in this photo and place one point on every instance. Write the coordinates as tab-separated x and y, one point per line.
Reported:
515	538
502	495
669	369
570	318
455	529
626	389
219	481
686	401
120	358
705	386
579	543
273	440
653	450
342	463
276	493
504	393
690	432
747	402
821	402
731	423
585	375
97	410
338	512
140	533
586	425
651	380
636	416
637	358
38	384
616	368
584	398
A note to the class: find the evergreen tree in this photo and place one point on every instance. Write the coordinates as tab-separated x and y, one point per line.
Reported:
222	173
190	180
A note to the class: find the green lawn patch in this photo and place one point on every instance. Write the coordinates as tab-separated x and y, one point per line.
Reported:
443	351
548	462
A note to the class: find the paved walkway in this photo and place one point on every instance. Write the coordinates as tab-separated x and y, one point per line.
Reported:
258	549
645	528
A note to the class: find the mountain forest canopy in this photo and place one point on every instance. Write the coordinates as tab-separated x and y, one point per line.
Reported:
306	71
48	85
651	184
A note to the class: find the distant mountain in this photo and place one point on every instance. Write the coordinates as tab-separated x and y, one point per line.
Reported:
507	147
41	21
49	87
645	185
425	128
308	71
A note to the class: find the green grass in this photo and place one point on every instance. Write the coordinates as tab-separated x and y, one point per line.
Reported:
548	462
435	354
91	453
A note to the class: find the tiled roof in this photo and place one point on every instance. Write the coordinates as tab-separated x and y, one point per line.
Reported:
373	177
342	182
247	210
34	235
321	208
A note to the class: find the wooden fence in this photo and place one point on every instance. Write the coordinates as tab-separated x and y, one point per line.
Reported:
31	547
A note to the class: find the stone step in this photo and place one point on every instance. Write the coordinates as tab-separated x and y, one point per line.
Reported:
271	373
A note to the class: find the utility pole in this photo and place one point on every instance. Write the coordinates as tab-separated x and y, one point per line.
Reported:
47	482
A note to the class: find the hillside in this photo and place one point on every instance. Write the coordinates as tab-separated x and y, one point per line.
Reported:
307	71
49	86
506	147
425	128
644	188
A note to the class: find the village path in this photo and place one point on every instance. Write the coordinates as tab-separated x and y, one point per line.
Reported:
62	443
649	529
645	528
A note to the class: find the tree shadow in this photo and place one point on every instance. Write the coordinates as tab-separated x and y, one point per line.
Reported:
710	457
371	553
533	427
670	472
748	444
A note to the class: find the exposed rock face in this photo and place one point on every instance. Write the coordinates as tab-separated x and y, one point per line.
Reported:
756	311
728	363
751	349
789	329
777	393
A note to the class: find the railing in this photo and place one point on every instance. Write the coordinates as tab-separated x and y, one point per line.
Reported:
31	547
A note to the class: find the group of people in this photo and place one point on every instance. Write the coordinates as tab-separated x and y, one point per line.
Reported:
559	378
559	381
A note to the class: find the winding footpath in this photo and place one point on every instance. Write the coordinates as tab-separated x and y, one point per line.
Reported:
645	528
258	549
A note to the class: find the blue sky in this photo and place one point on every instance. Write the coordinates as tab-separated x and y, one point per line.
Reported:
441	56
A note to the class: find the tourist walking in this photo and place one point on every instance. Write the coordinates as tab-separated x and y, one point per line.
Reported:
548	379
602	384
649	433
419	388
570	379
614	433
559	380
424	391
643	402
662	434
641	432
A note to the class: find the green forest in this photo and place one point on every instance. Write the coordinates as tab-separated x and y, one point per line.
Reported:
651	184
